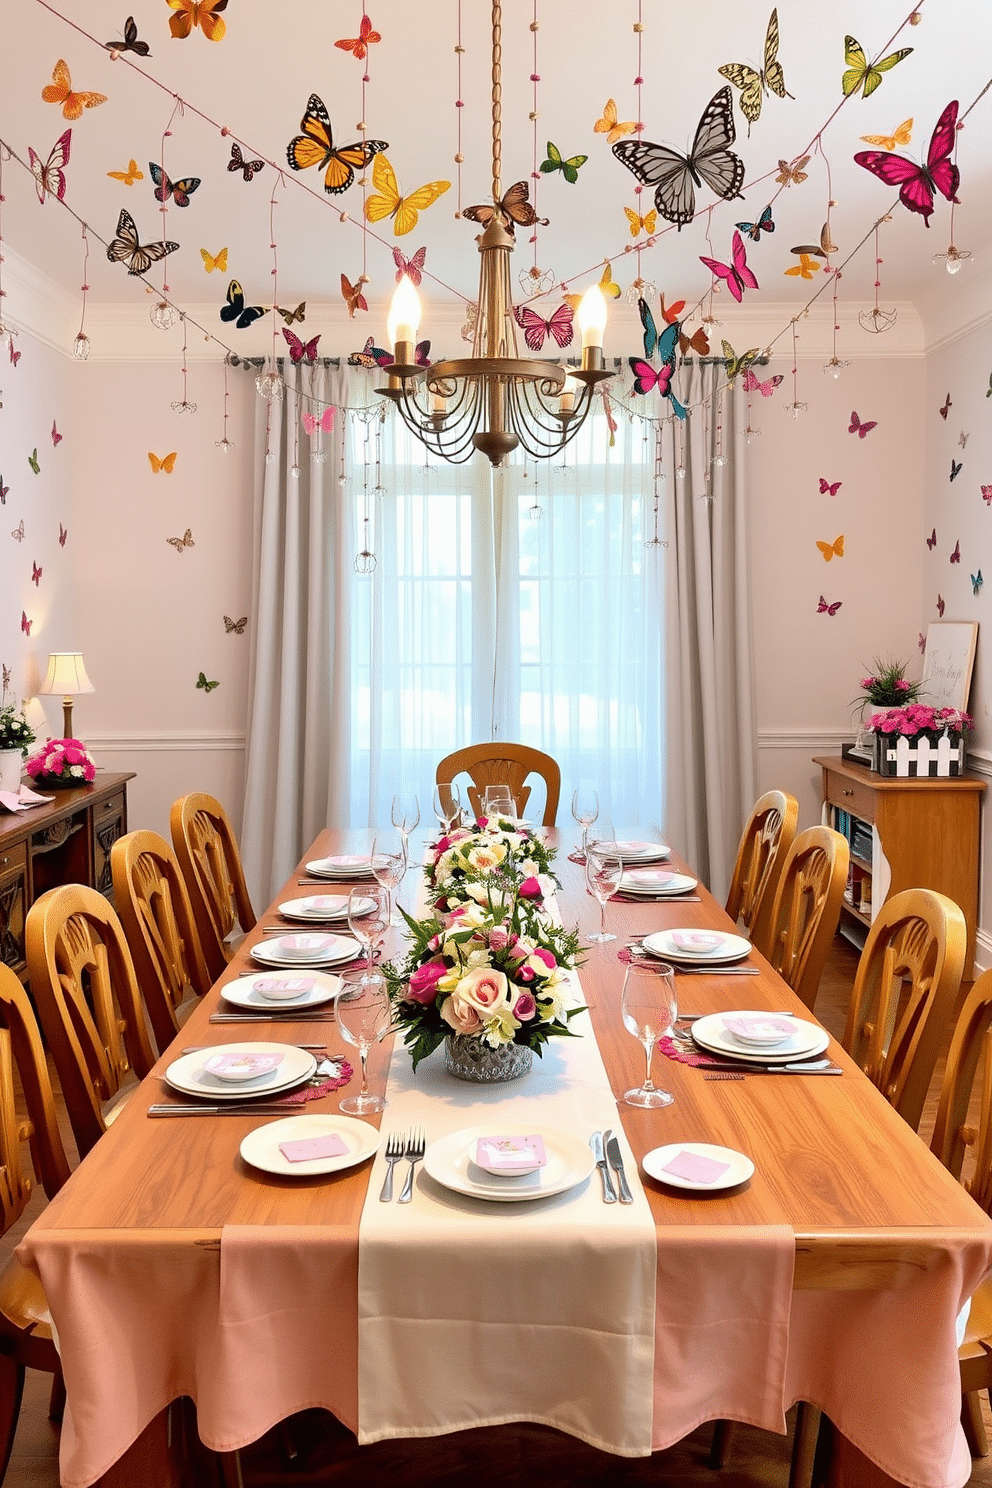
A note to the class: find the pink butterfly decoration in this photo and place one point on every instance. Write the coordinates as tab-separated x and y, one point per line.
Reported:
833	487
56	436
49	175
917	183
737	274
63	534
859	428
956	555
26	624
35	573
3	492
922	642
323	422
932	540
299	352
15	356
646	377
752	385
940	605
987	495
536	329
828	609
411	267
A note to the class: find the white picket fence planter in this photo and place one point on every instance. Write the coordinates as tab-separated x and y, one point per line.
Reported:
908	758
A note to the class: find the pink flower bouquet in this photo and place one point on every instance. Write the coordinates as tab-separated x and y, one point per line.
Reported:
62	762
917	718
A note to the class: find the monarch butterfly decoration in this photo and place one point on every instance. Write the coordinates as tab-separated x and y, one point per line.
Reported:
126	249
753	84
165	462
315	146
202	13
388	202
513	210
59	91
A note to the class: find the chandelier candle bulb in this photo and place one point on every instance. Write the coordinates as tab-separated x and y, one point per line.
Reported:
591	317
568	393
403	321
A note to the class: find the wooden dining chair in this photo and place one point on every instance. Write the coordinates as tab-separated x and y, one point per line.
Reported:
504	764
89	1004
768	834
210	860
155	911
806	909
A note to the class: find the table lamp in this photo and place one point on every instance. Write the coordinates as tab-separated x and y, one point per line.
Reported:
66	674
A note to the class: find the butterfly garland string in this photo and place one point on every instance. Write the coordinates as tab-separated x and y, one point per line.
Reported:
162	194
641	288
535	79
654	541
5	330
365	560
81	345
271	385
183	405
795	407
955	258
223	443
459	105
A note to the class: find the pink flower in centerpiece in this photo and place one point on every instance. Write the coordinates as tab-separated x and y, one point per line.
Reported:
459	1015
442	846
524	1008
546	956
499	938
531	889
480	993
423	982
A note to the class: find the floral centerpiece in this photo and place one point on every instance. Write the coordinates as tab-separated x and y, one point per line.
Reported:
918	722
62	762
15	731
491	979
481	862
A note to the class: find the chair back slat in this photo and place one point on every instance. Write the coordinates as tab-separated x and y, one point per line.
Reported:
969	1069
504	764
807	908
210	862
765	841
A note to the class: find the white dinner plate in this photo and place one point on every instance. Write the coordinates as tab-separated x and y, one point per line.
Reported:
732	948
654	883
739	1167
188	1074
335	909
346	866
641	852
260	1148
270	955
242	992
808	1039
449	1161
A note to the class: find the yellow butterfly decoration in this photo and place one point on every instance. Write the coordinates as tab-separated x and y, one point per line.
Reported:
610	289
165	463
202	13
831	550
213	261
405	210
60	91
128	176
805	268
771	79
864	74
901	135
794	174
610	126
638	223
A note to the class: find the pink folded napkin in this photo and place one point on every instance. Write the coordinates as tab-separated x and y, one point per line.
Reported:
306	944
245	1066
760	1030
656	878
696	1168
632	848
325	902
305	1149
289	987
348	860
697	940
509	1155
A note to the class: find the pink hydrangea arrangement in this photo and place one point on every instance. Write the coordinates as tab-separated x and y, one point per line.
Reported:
917	718
62	762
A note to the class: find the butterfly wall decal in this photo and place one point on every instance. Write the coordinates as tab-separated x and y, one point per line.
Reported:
831	550
165	462
412	267
569	167
126	249
213	261
33	461
792	173
370	356
956	555
698	342
249	168
753	230
987	495
901	135
805	268
988	392
513	209
202	682
932	540
639	224
26	624
537	329
300	313
359	45
940	605
829	486
645	376
186	541
917	183
736	364
3	492
298	352
15	356
921	641
56	436
180	191
828	609
128	176
736	274
36	573
856	426
206	14
352	295
963	439
945	409
614	128
315	146
237	311
318	423
864	74
976	582
955	469
130	42
59	90
751	384
63	534
754	85
674	176
49	175
388	202
18	532
235	626
608	286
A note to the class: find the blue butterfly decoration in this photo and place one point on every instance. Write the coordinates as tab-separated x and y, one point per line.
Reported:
755	229
665	344
976	583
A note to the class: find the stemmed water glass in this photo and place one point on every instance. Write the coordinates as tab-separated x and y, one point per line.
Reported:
389	866
363	1014
497	800
405	816
649	1006
368	918
447	804
585	810
604	870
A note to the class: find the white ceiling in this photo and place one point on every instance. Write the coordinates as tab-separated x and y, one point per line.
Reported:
256	81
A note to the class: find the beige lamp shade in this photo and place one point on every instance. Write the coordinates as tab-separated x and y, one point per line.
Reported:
67	675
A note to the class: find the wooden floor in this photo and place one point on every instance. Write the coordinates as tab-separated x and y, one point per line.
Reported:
759	1460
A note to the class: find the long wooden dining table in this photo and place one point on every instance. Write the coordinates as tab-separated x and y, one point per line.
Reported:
886	1242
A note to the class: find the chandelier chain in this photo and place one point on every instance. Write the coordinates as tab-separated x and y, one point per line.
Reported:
497	96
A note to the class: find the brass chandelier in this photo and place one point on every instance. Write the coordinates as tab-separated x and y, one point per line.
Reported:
495	399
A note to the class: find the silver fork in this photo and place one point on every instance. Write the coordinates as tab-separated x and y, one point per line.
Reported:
416	1143
394	1151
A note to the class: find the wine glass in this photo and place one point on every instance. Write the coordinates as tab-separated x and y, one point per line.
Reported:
497	800
368	918
447	804
364	1014
585	810
389	864
405	816
604	870
649	1006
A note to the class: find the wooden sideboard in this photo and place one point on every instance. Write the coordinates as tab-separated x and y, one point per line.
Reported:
67	841
917	834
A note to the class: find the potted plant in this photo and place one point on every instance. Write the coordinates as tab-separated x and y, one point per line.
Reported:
917	740
15	736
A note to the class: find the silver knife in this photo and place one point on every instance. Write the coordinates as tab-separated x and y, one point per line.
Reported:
596	1143
229	1110
616	1163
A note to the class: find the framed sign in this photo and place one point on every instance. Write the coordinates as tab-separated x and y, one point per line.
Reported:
947	663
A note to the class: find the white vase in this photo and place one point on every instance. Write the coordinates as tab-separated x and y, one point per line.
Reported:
11	763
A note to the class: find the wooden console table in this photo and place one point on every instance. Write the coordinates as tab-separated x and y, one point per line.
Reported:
67	841
918	834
